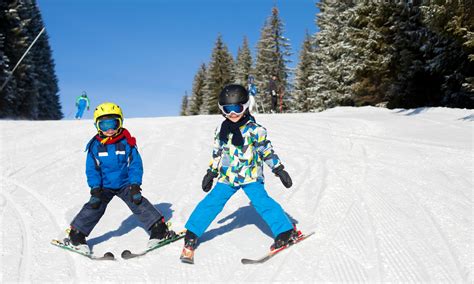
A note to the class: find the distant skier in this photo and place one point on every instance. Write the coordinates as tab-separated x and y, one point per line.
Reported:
114	168
273	91
82	102
252	89
240	149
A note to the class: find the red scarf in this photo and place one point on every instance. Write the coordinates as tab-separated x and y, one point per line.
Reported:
123	133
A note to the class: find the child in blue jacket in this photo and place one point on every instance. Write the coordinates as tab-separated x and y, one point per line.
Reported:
114	168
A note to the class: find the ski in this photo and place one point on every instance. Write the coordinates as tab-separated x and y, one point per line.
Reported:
275	252
126	254
66	246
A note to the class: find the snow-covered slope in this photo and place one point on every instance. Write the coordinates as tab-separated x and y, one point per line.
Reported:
389	194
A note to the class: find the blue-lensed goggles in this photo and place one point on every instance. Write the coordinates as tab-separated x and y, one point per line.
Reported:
235	108
107	124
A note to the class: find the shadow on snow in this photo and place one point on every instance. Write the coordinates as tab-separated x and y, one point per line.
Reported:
244	216
129	224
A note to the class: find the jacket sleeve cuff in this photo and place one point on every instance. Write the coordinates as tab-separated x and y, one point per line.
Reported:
278	169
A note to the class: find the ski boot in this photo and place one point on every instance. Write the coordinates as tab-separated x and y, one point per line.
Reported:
190	243
159	232
286	238
77	240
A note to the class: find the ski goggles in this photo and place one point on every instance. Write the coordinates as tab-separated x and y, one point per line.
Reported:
234	108
107	124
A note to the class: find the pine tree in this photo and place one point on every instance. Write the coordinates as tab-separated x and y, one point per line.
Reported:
47	83
410	84
7	95
450	52
198	93
411	55
26	76
303	98
371	37
21	83
32	90
184	106
220	73
273	50
334	55
468	86
243	67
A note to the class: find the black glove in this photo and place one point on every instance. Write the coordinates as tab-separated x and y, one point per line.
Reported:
135	194
283	175
96	197
207	180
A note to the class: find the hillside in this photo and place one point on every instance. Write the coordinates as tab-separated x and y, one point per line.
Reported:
389	194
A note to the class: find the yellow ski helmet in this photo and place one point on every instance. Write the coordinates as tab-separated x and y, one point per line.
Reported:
106	109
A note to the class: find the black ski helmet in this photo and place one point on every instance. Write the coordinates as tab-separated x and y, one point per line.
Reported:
233	94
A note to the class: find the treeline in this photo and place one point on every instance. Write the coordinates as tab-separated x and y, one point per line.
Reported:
32	90
398	54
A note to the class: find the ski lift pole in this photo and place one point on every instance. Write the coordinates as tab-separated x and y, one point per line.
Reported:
19	61
281	102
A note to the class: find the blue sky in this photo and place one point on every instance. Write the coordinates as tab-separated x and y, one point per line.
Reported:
143	54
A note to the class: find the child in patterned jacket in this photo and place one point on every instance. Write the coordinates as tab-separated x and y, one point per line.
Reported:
240	149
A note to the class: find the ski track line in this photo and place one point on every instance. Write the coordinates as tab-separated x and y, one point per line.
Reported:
437	228
428	245
347	270
25	189
306	172
23	269
53	161
307	183
464	275
398	259
375	274
353	241
393	246
444	124
416	143
373	245
374	271
280	267
335	229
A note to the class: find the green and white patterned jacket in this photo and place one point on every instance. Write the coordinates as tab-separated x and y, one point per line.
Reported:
241	165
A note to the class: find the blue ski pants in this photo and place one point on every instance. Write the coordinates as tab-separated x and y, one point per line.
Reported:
206	211
88	217
80	109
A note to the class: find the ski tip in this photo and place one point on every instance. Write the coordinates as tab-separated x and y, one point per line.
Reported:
126	254
247	261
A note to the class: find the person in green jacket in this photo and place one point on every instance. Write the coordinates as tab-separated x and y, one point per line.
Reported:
82	102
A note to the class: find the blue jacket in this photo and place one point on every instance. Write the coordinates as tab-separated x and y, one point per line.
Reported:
113	166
